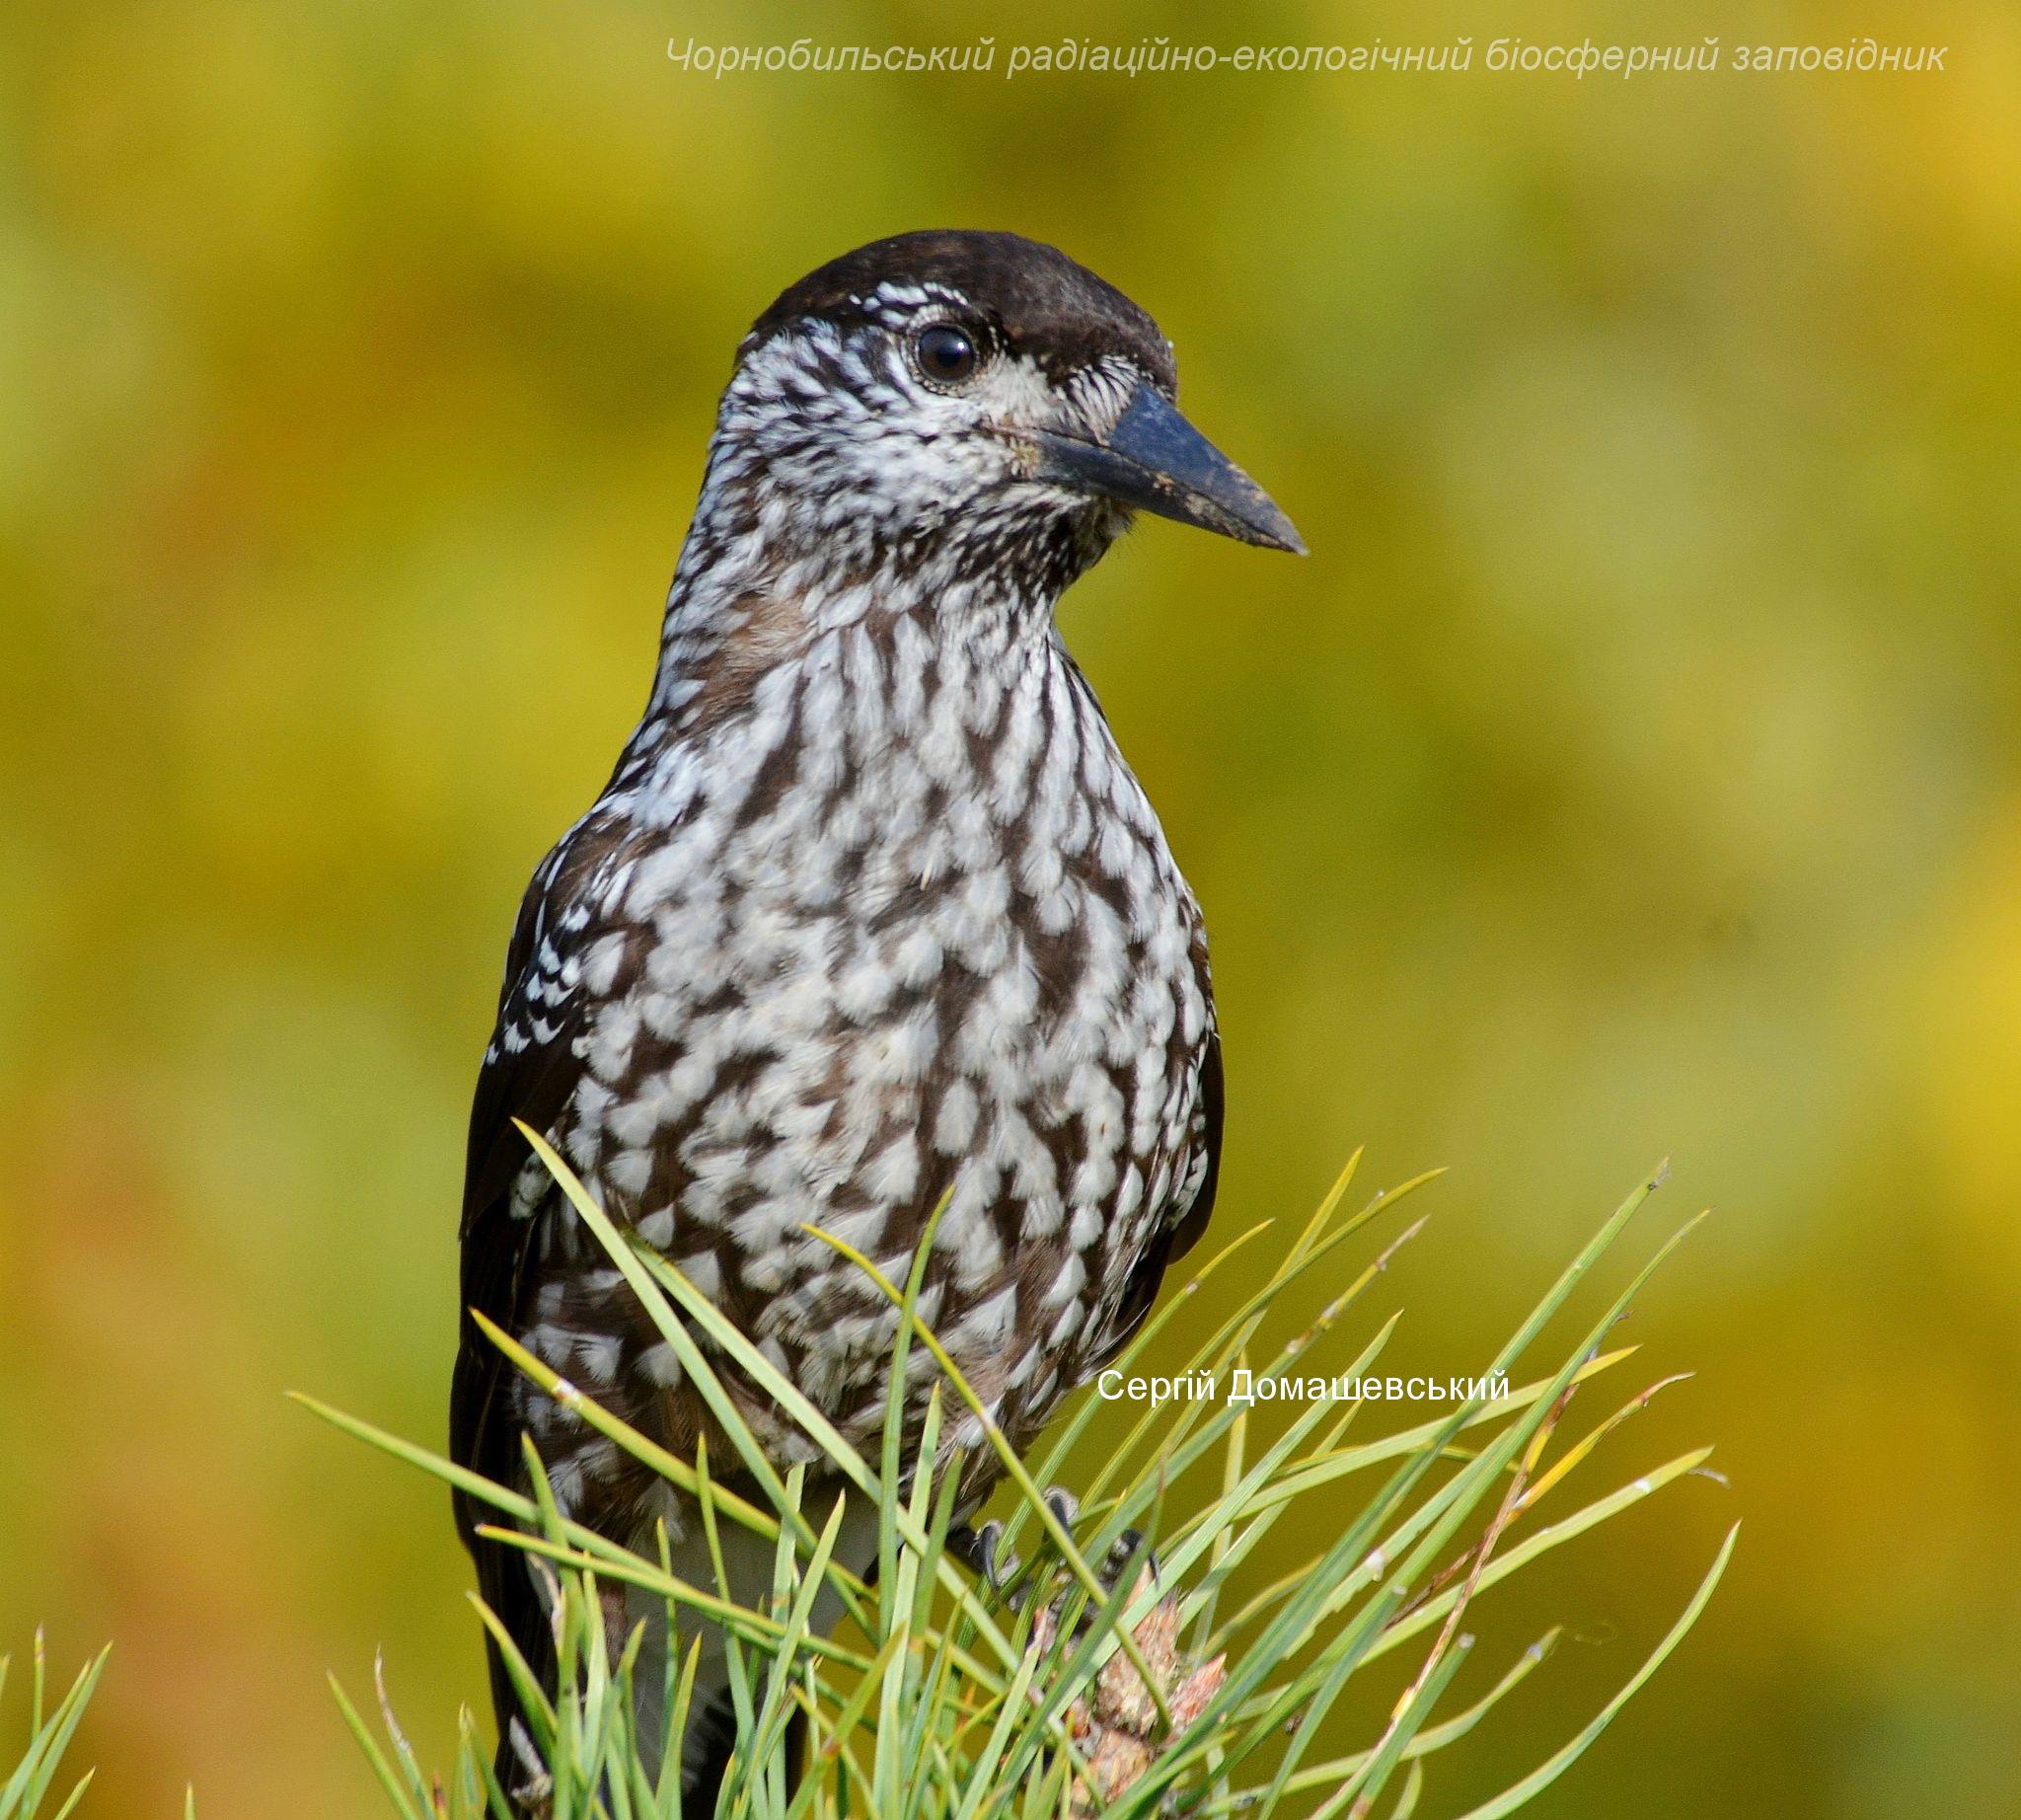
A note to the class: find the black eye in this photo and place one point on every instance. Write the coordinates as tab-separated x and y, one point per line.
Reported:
946	355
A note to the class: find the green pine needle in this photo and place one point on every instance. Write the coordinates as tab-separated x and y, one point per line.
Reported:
938	1698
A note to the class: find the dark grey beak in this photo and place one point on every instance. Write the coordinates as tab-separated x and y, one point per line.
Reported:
1155	459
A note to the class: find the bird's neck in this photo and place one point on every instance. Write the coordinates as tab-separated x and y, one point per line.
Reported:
861	657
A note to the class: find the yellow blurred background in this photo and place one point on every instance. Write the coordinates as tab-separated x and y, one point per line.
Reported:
1631	770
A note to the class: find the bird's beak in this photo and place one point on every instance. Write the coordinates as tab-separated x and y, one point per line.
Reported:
1155	459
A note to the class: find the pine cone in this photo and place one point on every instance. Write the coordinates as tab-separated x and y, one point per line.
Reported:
1114	1725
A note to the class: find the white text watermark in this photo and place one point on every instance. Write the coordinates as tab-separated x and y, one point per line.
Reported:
1243	1387
1164	56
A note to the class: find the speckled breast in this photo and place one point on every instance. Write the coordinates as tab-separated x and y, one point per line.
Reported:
867	980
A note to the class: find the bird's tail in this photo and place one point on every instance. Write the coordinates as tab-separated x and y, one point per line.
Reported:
707	1749
708	1746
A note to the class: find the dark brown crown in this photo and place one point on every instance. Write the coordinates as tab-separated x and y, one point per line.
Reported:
1041	302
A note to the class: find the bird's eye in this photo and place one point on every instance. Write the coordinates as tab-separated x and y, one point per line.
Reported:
946	355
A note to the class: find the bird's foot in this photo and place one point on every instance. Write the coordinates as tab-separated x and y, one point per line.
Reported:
980	1550
1128	1551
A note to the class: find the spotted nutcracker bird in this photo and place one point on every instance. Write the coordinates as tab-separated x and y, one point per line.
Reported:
871	912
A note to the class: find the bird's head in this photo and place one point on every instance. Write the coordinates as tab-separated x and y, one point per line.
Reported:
974	404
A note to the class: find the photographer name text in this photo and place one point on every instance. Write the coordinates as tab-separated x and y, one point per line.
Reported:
1244	1387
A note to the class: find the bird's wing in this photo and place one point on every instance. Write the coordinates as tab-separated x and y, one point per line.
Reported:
1188	1215
530	1074
1192	1223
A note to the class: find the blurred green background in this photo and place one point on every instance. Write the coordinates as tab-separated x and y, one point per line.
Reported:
1632	768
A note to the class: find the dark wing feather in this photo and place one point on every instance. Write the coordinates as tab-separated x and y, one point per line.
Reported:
530	1074
1181	1232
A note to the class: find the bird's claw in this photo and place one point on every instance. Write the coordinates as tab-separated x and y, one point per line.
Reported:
980	1550
1128	1548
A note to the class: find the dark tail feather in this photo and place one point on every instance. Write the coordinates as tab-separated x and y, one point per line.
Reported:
507	1590
706	1750
517	1771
